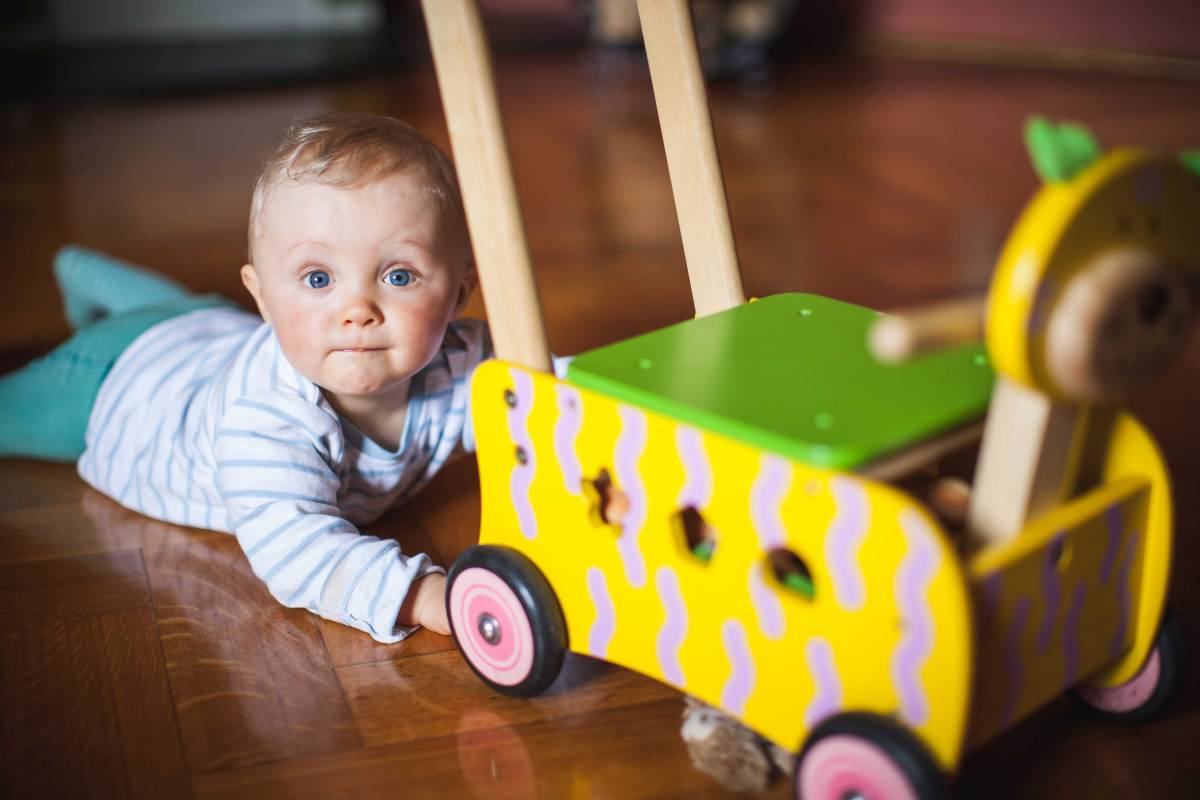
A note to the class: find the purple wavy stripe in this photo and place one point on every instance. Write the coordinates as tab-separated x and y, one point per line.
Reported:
522	475
631	442
767	607
740	686
674	628
1116	527
697	488
1071	634
1051	592
1122	589
913	577
989	603
566	431
766	498
846	534
1012	661
606	619
828	698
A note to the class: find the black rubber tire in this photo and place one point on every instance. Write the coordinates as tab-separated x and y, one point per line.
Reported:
905	750
541	608
1173	671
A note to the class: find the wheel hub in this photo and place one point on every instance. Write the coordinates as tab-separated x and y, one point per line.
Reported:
489	629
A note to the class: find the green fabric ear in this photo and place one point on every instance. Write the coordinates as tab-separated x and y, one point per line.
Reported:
1191	160
1059	152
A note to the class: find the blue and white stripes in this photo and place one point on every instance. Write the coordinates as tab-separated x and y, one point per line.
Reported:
202	422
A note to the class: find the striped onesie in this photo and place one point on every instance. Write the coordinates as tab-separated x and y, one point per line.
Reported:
203	422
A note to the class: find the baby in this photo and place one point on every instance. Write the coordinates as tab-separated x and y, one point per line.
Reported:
290	431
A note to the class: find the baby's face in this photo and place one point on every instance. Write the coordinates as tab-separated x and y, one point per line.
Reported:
359	284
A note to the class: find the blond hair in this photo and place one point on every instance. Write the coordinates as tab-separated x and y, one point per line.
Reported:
348	149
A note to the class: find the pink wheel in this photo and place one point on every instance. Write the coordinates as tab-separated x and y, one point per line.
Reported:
840	767
866	757
492	627
1129	695
1152	689
506	620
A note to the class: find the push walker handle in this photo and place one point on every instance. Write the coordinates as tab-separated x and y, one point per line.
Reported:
464	72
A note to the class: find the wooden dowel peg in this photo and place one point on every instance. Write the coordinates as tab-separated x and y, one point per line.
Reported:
901	335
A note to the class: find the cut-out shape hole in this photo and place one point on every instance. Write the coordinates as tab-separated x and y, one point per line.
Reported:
610	504
1060	554
522	456
510	398
698	536
791	571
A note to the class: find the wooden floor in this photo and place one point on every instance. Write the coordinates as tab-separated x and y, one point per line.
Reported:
139	659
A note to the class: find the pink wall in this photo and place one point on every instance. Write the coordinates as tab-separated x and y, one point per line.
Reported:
1168	27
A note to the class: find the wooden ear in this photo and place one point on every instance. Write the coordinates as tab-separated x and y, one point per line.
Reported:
1059	151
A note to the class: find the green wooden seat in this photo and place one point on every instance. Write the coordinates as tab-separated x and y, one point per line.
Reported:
792	374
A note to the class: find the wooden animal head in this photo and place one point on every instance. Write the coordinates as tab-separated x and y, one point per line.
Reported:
1098	287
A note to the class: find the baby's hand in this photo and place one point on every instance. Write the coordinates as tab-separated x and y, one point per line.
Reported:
426	604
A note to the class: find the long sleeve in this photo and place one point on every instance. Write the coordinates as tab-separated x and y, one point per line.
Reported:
276	458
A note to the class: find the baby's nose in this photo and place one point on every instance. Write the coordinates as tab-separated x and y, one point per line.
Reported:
361	311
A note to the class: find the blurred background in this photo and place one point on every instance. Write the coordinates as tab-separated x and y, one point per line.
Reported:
101	47
137	126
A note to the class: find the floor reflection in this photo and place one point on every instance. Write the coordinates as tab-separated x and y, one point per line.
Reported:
492	757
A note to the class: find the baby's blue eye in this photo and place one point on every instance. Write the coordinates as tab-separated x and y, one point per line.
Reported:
317	279
399	277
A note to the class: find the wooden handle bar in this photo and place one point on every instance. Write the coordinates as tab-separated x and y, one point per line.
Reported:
464	73
683	115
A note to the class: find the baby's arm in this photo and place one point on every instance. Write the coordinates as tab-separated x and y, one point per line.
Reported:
274	466
425	604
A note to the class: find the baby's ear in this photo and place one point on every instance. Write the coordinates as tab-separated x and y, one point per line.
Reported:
469	281
250	281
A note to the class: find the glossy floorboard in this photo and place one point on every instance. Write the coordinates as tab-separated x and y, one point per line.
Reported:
141	659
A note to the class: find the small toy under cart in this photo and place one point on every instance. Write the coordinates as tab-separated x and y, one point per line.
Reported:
736	505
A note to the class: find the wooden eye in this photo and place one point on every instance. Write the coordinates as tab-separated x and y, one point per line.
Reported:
1152	302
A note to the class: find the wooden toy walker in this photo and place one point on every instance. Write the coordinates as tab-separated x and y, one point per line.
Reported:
721	504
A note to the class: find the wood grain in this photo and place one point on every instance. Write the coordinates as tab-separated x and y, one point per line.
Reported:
54	589
87	711
599	754
436	695
251	680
